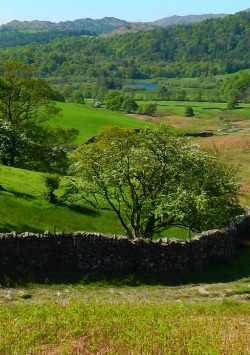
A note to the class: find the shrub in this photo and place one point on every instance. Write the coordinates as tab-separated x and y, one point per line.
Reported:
189	112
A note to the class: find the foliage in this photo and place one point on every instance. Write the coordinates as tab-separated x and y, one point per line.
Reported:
189	112
148	109
113	100
152	179
34	147
24	104
207	48
129	105
13	143
52	182
235	88
22	98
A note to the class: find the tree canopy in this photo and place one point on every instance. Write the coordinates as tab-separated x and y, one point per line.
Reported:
152	179
26	102
24	99
235	88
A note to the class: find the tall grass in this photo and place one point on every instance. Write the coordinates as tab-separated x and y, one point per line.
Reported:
130	328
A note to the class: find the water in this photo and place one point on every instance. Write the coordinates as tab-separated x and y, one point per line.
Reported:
148	86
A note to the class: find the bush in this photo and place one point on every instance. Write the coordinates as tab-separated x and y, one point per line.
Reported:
148	109
189	112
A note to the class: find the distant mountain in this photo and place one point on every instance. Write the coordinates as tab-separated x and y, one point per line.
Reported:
105	25
20	33
185	20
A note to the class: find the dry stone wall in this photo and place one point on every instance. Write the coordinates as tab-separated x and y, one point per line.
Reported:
28	253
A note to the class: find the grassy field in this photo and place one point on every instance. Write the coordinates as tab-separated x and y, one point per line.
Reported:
89	120
24	208
191	313
127	328
23	205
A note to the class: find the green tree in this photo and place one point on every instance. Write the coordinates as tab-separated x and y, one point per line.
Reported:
154	180
39	148
235	88
26	102
189	112
13	144
163	93
24	99
148	109
77	97
129	105
113	100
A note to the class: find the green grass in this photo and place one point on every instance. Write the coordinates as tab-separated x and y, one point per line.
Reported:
90	120
81	327
24	208
208	116
203	109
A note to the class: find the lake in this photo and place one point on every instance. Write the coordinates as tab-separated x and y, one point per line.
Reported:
148	86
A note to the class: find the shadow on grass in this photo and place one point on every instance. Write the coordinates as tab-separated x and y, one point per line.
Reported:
7	228
235	269
77	208
83	210
27	197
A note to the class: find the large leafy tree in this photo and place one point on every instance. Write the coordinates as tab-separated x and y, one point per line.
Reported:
24	99
25	103
113	100
152	179
235	88
39	148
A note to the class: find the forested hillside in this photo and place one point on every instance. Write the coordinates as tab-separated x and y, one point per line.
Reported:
211	47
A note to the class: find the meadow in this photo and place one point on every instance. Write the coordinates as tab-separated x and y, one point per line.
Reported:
89	120
125	328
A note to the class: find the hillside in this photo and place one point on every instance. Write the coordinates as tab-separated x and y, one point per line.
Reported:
211	47
184	20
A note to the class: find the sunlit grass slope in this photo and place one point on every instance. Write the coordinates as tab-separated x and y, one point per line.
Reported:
89	120
23	207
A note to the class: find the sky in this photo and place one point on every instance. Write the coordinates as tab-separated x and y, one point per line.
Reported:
129	10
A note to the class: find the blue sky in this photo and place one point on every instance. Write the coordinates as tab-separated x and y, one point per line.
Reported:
130	10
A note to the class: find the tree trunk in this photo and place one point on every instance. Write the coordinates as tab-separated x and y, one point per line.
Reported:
149	230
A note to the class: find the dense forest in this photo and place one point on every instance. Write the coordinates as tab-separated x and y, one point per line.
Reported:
211	47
